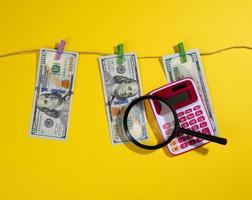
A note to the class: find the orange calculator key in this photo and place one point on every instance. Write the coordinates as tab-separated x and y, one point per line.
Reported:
176	148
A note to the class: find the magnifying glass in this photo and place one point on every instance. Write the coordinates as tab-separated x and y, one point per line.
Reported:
168	118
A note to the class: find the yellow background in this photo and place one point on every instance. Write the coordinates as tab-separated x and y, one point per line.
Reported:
87	166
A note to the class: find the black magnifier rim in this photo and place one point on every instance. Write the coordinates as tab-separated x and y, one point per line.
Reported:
132	139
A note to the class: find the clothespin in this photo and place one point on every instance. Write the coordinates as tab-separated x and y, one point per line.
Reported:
60	49
182	53
120	54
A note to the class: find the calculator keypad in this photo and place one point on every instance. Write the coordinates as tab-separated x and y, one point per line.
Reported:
194	119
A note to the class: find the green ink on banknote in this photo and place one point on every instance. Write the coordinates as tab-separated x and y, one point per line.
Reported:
55	68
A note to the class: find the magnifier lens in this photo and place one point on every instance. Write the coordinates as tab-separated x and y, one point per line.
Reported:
157	112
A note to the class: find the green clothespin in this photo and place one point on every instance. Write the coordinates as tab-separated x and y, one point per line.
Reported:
120	54
182	53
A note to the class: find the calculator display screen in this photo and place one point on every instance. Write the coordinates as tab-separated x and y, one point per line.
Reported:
179	98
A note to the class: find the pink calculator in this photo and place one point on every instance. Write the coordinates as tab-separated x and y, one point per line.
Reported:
185	99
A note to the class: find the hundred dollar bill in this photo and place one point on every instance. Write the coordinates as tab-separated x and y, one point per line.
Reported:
193	68
121	84
53	94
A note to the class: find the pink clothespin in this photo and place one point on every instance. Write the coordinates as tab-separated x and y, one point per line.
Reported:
60	49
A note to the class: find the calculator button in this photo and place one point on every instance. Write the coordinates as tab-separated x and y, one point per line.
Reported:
174	142
203	124
192	142
176	148
195	127
168	131
182	119
185	125
199	139
182	139
173	122
188	110
180	114
167	125
188	137
198	113
196	107
184	145
179	134
190	116
192	122
201	118
206	130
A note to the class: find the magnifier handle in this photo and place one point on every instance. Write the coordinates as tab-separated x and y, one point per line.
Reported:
211	138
